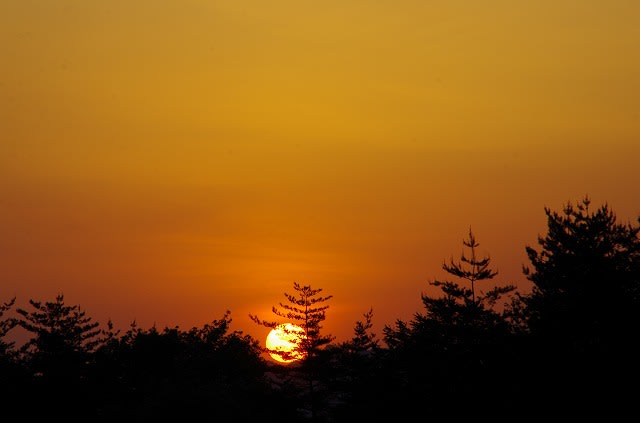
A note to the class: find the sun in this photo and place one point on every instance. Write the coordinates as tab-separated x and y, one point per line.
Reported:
285	337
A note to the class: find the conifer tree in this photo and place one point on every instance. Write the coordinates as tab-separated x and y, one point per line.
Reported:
305	311
363	338
582	315
6	325
471	268
12	374
63	337
455	348
586	278
460	308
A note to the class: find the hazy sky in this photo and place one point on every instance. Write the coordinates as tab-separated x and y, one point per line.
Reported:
165	161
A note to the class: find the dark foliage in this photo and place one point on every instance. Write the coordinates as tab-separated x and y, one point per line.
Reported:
586	279
457	351
59	356
177	374
12	373
583	313
89	374
6	324
356	382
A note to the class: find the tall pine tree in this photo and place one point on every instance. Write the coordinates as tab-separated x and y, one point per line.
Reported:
583	313
305	310
63	338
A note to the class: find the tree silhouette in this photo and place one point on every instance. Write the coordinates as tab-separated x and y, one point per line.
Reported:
12	374
458	312
357	381
364	339
587	262
460	307
174	374
471	268
305	310
6	325
59	355
460	330
63	337
583	311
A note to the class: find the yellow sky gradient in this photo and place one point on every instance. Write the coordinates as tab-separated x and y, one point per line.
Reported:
167	160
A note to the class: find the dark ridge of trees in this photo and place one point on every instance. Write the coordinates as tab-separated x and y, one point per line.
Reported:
567	350
75	371
171	373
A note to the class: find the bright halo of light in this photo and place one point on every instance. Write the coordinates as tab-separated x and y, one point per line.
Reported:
285	337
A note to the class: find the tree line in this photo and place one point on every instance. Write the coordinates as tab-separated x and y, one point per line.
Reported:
567	349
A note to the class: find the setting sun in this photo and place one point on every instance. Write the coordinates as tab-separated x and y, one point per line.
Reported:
283	340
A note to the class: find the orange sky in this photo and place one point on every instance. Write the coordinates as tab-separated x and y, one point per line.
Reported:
165	161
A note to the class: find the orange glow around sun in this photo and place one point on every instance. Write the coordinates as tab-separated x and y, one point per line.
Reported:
283	340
